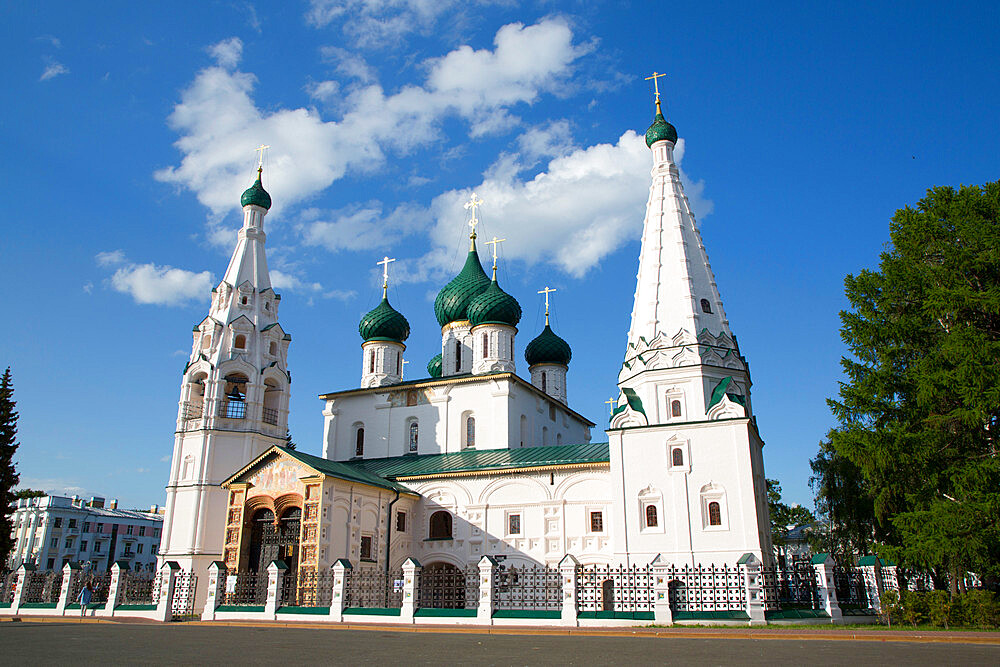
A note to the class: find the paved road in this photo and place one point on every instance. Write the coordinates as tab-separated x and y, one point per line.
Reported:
70	643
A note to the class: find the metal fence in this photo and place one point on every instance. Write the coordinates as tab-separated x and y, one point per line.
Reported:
706	589
373	588
307	588
185	585
614	588
139	587
43	587
99	584
792	587
449	587
527	587
852	593
244	588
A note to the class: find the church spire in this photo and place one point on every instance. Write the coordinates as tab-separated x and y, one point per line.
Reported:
249	263
675	287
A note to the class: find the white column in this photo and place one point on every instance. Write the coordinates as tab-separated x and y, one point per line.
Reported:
662	613
23	572
119	572
340	569
411	573
275	574
825	587
168	588
70	573
567	571
487	570
753	579
216	579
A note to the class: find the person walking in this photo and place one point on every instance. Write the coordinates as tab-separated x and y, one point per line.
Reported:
86	593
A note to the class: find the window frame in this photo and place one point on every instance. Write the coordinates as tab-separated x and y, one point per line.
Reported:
514	518
593	513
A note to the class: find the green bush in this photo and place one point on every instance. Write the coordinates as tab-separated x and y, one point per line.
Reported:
982	609
976	608
891	607
938	607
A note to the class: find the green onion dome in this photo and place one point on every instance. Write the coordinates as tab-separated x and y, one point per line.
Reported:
494	306
384	323
256	194
548	348
452	302
434	366
660	129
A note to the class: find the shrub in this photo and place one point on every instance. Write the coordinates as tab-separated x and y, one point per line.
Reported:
891	605
938	607
982	609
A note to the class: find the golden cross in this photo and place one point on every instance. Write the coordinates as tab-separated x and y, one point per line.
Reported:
385	273
260	149
548	290
656	84
611	405
473	204
494	243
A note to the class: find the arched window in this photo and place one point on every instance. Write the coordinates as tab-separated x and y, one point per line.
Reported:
545	435
359	441
675	408
272	399
470	432
273	348
399	364
544	383
244	301
651	518
196	397
486	344
371	362
677	457
414	433
440	526
240	342
458	356
233	405
706	307
714	514
558	438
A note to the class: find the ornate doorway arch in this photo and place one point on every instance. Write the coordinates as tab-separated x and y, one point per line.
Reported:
274	538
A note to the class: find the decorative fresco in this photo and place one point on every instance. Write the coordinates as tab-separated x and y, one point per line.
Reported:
277	477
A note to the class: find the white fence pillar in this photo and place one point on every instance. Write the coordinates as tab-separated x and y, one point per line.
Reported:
567	572
826	587
275	574
116	589
411	574
216	584
70	572
753	578
662	614
871	566
337	600
487	571
168	588
24	572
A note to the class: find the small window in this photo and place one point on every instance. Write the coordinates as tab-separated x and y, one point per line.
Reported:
100	527
486	345
57	523
714	514
558	438
72	523
267	305
83	545
51	564
470	432
142	531
399	364
240	342
359	442
651	518
69	543
677	457
55	543
597	522
129	529
458	356
371	362
675	408
400	522
545	387
97	547
206	342
86	526
706	307
243	301
414	435
513	524
440	526
552	412
273	348
366	547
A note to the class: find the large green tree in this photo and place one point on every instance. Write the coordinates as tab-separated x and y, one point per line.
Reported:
919	411
844	504
8	474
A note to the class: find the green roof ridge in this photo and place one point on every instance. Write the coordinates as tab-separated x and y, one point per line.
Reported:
343	470
494	306
634	401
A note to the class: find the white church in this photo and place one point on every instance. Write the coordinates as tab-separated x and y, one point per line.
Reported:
474	459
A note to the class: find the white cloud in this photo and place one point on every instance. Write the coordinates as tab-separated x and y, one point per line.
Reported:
362	227
51	39
151	284
282	280
348	63
586	205
323	90
52	70
228	52
551	140
88	287
371	22
53	486
219	122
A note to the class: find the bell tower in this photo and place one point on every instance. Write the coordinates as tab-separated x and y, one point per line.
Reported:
234	396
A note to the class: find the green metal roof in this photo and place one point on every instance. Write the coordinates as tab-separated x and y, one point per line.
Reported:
547	348
384	322
494	306
452	301
484	460
342	470
720	391
660	129
434	366
256	194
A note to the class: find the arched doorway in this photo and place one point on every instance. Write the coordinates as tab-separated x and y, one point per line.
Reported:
273	540
443	586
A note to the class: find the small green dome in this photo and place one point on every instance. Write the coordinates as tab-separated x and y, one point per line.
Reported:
434	366
384	323
660	129
548	348
452	302
256	194
494	306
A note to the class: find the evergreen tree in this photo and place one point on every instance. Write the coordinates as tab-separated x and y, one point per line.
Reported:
920	410
29	493
844	505
8	475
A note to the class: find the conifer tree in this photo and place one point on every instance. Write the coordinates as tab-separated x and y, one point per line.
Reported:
920	411
8	475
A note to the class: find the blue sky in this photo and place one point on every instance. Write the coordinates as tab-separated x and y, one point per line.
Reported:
128	129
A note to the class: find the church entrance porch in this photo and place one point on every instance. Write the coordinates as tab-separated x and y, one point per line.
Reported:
272	539
445	586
